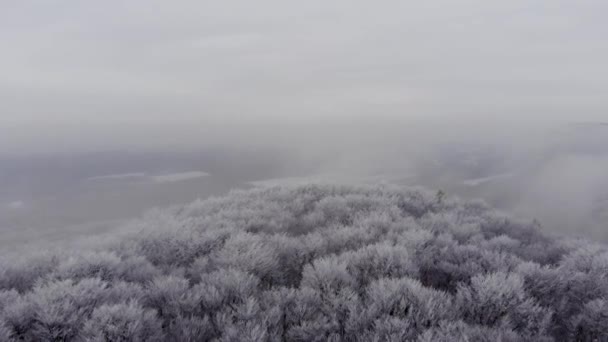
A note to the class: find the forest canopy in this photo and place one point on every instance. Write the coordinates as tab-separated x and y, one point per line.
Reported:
316	263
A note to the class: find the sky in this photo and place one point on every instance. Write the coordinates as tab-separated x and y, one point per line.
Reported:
103	63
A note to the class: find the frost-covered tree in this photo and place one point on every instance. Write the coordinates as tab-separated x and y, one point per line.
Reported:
592	323
123	323
315	263
499	300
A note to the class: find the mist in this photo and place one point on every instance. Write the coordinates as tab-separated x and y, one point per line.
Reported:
551	172
201	170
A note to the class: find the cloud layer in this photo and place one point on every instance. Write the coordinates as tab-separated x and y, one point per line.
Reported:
153	61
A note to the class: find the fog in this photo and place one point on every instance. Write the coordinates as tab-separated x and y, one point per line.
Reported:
334	170
554	173
118	63
499	101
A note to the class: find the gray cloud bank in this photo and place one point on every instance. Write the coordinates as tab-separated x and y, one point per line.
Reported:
116	62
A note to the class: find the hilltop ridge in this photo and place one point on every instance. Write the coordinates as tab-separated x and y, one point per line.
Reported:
316	263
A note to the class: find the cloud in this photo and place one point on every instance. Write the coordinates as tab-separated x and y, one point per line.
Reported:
194	64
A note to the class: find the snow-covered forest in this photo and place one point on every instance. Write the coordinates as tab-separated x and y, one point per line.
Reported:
315	263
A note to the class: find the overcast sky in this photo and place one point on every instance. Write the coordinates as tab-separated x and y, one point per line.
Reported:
152	61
